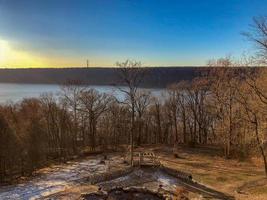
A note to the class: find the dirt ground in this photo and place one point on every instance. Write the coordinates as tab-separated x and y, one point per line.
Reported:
243	180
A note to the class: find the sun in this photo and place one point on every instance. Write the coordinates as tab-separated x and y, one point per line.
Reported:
10	57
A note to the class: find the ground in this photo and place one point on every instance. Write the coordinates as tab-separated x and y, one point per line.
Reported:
59	177
243	180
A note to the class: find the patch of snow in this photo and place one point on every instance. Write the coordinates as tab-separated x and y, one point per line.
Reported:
53	180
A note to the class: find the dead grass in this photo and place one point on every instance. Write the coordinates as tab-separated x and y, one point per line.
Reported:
210	169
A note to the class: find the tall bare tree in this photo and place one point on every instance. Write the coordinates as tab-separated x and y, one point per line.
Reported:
131	74
94	104
223	83
254	113
70	95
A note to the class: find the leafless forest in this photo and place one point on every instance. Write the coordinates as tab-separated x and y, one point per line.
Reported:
225	107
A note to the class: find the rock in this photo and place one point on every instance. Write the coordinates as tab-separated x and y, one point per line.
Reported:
121	193
94	196
102	162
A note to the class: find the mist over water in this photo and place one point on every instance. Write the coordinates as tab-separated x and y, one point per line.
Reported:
12	92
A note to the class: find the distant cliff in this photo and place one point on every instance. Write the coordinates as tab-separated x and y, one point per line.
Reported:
156	76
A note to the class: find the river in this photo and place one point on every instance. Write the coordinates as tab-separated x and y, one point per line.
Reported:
14	92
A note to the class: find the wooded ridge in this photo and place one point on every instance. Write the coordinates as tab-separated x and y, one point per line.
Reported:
156	77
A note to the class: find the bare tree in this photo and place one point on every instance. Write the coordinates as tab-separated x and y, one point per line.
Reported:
94	104
223	83
70	95
258	35
256	79
131	75
156	112
173	94
143	99
254	113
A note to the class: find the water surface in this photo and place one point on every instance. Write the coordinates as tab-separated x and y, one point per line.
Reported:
13	92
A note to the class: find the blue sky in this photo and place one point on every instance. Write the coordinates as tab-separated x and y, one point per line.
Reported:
63	33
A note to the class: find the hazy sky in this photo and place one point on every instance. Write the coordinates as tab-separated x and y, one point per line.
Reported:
62	33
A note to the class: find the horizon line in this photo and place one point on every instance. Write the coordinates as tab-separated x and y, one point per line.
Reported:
106	67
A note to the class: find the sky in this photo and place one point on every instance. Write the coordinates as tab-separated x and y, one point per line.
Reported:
65	33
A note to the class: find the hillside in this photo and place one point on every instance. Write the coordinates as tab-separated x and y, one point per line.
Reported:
156	76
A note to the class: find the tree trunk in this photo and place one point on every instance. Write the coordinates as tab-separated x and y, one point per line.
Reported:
132	133
176	129
184	127
260	146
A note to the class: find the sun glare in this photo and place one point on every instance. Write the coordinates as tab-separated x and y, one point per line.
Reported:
4	48
10	57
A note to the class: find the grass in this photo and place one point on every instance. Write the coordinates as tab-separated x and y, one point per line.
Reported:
259	190
209	168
